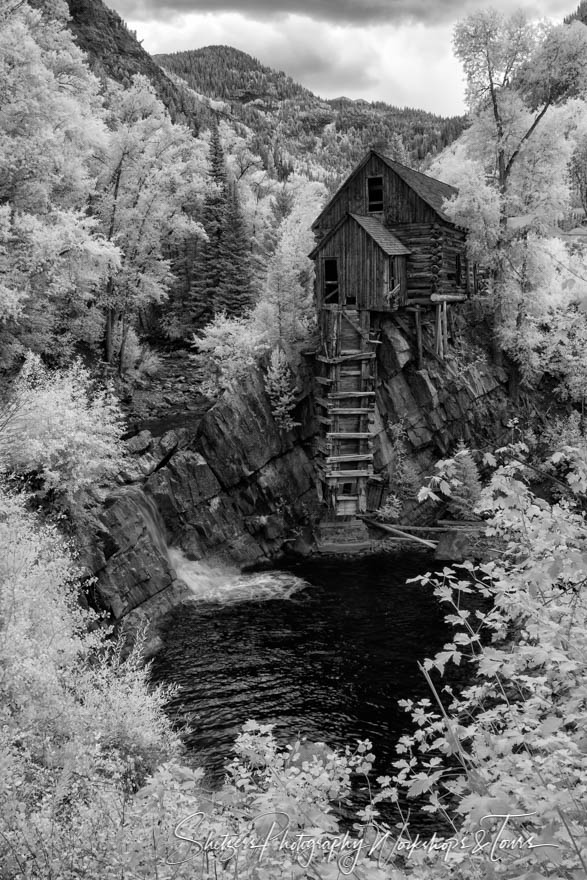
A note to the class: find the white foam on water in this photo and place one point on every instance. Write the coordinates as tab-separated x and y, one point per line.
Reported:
227	585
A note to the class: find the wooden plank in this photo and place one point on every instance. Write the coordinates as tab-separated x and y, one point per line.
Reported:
354	435
361	333
339	395
323	380
342	459
431	544
446	298
349	356
355	411
346	475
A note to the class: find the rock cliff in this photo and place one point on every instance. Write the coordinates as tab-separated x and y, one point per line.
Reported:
231	486
226	483
422	413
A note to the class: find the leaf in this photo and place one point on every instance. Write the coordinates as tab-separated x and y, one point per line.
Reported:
550	724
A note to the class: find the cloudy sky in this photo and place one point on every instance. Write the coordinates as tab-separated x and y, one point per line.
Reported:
397	51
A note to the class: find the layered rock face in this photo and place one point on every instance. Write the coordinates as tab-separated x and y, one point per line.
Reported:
463	398
231	486
227	484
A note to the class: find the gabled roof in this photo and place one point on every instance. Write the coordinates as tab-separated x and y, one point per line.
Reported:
430	190
382	236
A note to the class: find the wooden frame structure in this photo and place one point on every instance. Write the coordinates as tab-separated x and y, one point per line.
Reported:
384	243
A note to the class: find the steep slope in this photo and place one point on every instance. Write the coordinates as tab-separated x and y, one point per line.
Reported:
297	123
114	51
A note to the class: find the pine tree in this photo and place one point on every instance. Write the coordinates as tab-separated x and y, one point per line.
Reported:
234	295
222	274
208	269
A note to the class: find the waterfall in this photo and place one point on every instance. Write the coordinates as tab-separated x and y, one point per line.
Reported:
227	585
154	525
214	581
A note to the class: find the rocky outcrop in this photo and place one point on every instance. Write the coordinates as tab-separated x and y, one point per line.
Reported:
231	486
461	398
226	483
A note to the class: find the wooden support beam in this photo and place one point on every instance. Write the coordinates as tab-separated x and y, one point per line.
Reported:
346	475
447	298
339	395
418	320
341	358
342	459
356	411
384	527
342	435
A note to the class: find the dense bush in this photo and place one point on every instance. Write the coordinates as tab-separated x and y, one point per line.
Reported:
60	426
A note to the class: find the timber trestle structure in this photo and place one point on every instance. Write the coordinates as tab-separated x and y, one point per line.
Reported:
346	402
385	246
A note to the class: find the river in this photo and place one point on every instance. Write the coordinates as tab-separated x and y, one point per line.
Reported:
323	649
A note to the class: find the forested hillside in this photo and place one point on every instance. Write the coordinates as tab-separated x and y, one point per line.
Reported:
295	129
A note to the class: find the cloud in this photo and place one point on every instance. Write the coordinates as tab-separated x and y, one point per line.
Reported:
403	57
346	12
401	65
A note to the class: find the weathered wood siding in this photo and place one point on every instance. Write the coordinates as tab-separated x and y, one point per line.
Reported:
453	245
402	205
363	269
431	265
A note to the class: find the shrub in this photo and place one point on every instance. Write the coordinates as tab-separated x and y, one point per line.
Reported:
228	349
280	387
61	427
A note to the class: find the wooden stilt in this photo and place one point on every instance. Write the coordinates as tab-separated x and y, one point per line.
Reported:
418	320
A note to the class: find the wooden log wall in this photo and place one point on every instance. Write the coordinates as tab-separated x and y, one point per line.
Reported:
453	245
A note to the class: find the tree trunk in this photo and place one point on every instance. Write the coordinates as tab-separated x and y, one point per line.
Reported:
112	318
125	329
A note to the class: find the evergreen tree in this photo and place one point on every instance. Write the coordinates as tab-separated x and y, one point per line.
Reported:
208	271
222	275
234	295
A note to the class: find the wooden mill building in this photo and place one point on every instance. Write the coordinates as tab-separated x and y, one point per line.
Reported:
384	244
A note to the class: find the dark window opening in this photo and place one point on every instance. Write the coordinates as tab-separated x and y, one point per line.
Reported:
331	289
351	299
374	194
347	488
458	276
393	279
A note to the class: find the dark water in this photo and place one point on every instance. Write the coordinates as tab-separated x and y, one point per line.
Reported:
323	650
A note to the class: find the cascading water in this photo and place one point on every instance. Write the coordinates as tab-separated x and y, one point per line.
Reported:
226	585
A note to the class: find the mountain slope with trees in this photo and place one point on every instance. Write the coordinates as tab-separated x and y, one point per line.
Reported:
293	123
114	51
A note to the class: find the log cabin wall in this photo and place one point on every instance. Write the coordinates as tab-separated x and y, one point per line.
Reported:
455	276
432	266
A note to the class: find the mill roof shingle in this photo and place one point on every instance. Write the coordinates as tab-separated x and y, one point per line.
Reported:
381	235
